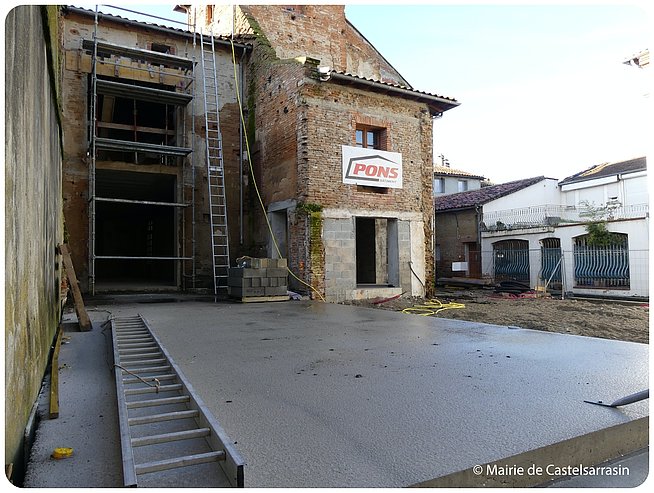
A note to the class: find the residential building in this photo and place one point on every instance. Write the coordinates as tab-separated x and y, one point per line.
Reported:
459	223
549	243
341	149
449	180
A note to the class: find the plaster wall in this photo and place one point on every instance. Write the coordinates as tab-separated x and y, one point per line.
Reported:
33	215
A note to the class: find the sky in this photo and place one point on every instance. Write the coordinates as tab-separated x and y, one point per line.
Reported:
543	89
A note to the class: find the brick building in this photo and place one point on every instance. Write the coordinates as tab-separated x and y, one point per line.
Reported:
341	148
136	196
326	151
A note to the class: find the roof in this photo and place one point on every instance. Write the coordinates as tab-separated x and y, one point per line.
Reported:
223	40
607	169
472	198
437	104
446	170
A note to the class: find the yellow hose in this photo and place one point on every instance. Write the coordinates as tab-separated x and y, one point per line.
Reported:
432	307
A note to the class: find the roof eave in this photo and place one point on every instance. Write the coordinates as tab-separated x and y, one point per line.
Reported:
437	105
154	27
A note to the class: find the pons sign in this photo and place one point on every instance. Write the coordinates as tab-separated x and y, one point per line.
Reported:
372	167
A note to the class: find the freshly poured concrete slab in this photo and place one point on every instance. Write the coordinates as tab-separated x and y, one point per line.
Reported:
324	395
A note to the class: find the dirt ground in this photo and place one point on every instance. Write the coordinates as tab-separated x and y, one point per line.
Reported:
625	321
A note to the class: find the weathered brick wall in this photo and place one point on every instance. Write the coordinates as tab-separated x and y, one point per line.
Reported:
297	126
317	31
453	229
192	173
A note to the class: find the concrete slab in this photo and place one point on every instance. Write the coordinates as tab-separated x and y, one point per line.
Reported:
88	420
324	395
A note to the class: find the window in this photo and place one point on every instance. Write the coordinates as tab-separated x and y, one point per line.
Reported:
439	185
370	137
462	185
209	14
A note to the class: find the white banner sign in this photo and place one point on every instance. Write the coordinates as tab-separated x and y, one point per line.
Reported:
372	167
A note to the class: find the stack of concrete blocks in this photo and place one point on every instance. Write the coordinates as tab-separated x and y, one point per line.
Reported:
259	279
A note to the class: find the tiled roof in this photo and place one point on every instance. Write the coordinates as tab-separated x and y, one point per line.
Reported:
398	86
168	27
472	198
446	170
607	169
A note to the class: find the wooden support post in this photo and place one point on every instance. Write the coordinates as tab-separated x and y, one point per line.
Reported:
82	316
54	376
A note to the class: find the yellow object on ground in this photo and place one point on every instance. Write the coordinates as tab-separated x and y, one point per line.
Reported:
62	453
432	307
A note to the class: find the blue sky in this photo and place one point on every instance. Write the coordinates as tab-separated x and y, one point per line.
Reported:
543	89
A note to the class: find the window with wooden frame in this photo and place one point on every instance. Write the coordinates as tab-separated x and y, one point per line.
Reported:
370	137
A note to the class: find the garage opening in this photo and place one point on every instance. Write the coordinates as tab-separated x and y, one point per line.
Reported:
132	230
377	252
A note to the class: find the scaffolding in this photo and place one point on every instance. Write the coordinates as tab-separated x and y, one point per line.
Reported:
152	76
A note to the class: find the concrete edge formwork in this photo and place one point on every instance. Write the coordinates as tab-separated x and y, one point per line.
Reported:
534	467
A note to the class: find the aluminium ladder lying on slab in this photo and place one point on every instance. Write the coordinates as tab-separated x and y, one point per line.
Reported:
164	426
215	166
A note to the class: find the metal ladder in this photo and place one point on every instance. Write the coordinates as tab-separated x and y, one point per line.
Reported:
164	426
215	166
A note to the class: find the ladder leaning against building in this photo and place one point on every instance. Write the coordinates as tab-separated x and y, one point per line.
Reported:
215	166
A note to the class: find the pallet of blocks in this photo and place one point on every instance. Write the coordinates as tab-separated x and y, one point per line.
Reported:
259	279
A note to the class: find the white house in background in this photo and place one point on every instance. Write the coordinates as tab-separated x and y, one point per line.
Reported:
449	180
542	238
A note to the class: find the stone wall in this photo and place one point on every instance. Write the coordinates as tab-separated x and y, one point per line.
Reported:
33	214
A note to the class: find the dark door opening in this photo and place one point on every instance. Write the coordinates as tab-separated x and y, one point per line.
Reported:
135	229
366	250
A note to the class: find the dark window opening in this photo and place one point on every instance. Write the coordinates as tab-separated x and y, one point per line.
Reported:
367	189
132	120
162	48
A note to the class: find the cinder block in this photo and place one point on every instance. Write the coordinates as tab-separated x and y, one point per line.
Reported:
246	292
282	263
265	282
275	291
273	282
282	281
244	282
275	272
255	282
245	272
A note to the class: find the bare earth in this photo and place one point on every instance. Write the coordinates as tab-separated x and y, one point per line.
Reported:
625	321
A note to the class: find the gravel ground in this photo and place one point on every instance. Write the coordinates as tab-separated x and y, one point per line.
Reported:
620	320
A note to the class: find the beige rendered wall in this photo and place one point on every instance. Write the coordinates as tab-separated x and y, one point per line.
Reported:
33	215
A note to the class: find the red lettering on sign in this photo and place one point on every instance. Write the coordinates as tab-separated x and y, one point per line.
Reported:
358	167
375	170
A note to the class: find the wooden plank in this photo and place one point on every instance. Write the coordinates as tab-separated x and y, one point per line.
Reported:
262	299
54	377
82	316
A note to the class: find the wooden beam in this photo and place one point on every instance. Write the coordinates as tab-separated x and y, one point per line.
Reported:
54	376
82	316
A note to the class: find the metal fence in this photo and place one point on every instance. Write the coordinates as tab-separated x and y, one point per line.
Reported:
552	215
606	266
511	260
585	267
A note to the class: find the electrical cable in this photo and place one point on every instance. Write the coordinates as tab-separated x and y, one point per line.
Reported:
254	181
